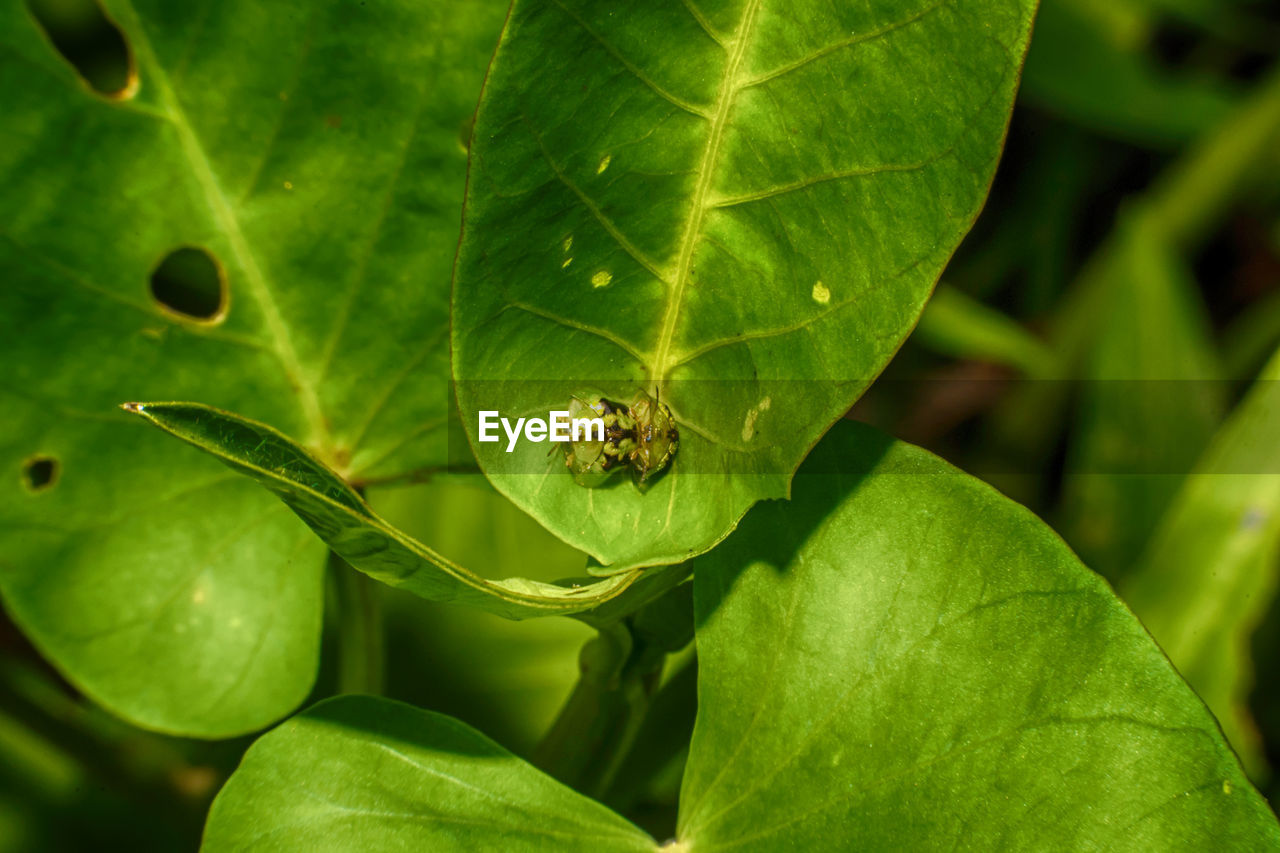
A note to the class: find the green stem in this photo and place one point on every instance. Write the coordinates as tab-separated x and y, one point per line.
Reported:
595	729
360	630
589	742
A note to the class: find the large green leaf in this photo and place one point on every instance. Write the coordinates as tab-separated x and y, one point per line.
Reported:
1209	572
1151	400
901	658
313	149
740	206
957	325
1090	63
898	658
358	773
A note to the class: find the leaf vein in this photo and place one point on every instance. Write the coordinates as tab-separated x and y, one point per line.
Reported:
635	70
605	222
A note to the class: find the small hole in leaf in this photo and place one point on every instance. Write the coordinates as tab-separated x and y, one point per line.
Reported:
40	473
87	38
191	284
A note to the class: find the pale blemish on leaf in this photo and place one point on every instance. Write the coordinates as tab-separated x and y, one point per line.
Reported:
601	279
288	185
821	294
566	263
604	163
568	244
749	425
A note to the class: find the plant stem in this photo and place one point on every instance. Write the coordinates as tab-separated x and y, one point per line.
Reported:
587	742
360	630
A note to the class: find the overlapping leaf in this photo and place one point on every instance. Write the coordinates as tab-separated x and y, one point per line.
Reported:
738	206
929	667
323	177
898	658
341	518
358	773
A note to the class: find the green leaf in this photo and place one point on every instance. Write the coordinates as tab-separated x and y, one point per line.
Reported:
897	658
1100	74
956	324
1151	400
323	180
902	658
1189	199
358	773
340	517
740	207
1209	574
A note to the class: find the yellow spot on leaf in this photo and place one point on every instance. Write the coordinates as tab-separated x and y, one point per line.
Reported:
288	185
566	263
604	163
749	425
820	294
601	279
1226	786
568	243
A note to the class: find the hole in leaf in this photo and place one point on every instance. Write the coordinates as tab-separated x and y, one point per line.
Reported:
40	473
190	283
87	38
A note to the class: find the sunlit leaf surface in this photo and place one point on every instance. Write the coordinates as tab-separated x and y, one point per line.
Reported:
320	181
739	206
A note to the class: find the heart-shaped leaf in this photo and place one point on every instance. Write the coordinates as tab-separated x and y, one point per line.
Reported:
898	658
903	658
264	220
737	207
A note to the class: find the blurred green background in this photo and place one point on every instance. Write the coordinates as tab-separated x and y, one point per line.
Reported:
1101	348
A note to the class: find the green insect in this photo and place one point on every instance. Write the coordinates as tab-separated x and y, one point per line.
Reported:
656	437
591	460
642	436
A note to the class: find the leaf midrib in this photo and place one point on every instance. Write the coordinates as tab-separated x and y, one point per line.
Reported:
725	97
202	170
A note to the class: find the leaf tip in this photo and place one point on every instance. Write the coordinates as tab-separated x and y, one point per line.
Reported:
133	408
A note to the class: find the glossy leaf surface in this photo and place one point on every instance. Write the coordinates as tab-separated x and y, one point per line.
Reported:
323	181
898	658
901	658
738	206
359	773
